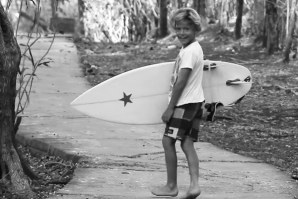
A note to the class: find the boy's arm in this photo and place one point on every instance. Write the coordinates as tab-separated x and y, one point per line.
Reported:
178	88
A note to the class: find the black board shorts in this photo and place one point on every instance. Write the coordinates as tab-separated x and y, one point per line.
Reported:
185	122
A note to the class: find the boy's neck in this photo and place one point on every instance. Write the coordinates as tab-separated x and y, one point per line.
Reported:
189	43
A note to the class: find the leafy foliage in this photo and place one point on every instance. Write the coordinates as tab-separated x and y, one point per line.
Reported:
26	74
118	21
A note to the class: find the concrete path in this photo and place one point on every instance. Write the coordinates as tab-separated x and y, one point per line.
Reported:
123	161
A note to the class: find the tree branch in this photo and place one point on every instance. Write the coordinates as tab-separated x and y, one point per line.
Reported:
41	22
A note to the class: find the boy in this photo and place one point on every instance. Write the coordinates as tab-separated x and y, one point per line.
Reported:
185	105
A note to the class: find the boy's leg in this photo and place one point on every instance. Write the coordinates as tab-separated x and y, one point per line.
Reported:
170	189
187	146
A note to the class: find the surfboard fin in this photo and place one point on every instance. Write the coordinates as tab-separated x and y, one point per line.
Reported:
237	81
209	66
211	109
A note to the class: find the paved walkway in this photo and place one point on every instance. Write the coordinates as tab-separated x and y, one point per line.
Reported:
123	161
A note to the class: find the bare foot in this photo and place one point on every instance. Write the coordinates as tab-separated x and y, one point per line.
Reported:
192	194
165	191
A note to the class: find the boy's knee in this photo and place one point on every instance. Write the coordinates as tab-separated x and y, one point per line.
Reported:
183	146
186	144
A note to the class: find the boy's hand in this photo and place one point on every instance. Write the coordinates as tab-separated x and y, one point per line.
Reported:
167	115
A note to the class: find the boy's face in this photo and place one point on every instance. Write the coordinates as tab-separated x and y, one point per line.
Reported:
185	32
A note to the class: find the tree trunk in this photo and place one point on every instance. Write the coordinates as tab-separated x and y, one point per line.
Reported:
54	4
81	8
163	18
271	27
200	7
180	3
238	24
289	37
10	55
224	15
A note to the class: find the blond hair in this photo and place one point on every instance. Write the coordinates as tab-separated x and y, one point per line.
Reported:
186	14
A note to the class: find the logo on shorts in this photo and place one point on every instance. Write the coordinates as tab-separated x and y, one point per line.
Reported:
170	131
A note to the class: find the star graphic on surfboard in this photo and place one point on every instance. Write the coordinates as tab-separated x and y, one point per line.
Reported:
126	98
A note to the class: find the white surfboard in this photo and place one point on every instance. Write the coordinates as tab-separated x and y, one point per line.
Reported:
140	96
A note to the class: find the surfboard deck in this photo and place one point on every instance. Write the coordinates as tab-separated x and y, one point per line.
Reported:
140	96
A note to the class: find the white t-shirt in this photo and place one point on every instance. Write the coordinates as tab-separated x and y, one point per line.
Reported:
190	57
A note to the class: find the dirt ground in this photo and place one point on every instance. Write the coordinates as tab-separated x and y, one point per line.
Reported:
263	126
52	171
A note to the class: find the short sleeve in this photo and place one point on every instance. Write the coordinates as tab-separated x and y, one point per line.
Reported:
188	59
